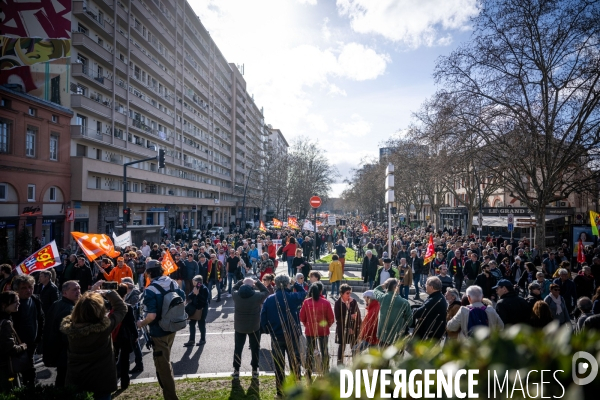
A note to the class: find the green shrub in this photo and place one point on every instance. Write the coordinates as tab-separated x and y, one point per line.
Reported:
517	349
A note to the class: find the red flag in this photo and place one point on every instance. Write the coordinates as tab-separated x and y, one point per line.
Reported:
94	245
44	258
293	223
262	227
277	223
365	228
168	265
430	254
580	255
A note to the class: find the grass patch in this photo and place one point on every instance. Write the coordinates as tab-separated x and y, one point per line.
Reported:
205	388
349	257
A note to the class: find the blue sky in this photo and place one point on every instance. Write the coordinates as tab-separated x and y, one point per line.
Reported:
345	73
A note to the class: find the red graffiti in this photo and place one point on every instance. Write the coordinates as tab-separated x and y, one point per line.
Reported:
25	19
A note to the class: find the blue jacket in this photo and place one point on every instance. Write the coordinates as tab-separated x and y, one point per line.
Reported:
153	301
280	316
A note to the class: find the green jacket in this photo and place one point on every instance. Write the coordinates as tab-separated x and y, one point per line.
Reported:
395	315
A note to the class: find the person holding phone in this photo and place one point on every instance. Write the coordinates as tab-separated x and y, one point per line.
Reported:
198	298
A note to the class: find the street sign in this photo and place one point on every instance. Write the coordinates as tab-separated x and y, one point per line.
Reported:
511	227
70	214
315	202
511	222
526	225
525	219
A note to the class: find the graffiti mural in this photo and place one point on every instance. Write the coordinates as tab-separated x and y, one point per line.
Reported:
35	47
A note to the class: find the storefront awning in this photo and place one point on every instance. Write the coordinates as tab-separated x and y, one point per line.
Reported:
503	221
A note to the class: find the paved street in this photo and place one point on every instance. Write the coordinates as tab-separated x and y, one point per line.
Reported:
216	356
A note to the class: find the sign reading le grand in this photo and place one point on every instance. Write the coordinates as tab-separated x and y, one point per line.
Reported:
519	211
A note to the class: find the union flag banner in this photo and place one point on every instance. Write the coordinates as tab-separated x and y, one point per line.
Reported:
365	228
94	245
580	255
262	227
430	254
293	223
319	223
277	223
168	265
594	221
44	258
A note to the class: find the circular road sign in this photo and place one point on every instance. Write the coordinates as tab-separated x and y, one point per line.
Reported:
315	202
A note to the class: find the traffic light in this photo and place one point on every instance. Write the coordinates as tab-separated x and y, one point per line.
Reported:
127	214
161	158
394	210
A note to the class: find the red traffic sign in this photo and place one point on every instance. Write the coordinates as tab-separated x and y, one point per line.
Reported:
315	202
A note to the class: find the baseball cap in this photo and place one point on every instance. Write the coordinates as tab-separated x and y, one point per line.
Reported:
503	283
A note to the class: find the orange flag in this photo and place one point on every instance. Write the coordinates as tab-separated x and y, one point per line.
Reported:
293	223
168	265
94	245
430	254
277	223
262	227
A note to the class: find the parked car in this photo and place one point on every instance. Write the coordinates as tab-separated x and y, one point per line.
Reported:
217	230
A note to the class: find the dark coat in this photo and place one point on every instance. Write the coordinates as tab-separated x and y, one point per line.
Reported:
127	333
417	265
430	318
345	323
48	295
84	276
486	283
584	285
91	362
9	344
55	343
513	309
568	291
592	323
369	267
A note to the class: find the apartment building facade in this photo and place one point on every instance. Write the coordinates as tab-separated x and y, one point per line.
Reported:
146	75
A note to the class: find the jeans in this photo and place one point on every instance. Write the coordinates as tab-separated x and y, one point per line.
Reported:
404	289
240	341
458	282
311	346
201	326
335	288
279	347
371	283
291	272
141	281
215	282
416	281
230	281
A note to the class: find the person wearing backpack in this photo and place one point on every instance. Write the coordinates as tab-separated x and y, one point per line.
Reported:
164	303
475	314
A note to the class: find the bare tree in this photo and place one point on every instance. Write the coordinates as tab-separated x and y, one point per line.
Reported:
525	90
366	191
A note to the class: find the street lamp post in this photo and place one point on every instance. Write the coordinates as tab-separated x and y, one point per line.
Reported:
389	199
480	216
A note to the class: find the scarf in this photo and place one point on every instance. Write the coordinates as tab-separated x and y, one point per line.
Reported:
558	302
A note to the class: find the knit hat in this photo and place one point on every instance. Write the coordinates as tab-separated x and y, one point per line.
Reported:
369	294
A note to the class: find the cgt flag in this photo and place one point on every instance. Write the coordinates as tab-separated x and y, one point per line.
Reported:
94	245
277	223
365	228
262	227
594	221
168	265
293	223
430	254
44	258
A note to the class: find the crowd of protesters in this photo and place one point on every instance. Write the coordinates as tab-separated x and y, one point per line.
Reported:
86	329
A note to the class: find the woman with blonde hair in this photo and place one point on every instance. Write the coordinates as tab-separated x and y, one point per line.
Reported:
91	363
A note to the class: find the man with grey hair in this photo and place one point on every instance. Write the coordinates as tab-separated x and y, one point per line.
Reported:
369	268
460	322
568	291
46	290
279	317
246	321
430	318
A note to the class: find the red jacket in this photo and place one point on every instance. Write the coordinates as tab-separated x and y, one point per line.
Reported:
272	249
368	331
289	250
317	317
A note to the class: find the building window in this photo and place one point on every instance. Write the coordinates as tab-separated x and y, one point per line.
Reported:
32	111
55	118
52	194
81	150
4	135
81	121
5	103
30	192
3	192
30	142
54	147
98	183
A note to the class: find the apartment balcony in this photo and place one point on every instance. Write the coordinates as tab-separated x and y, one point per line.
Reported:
81	132
92	18
100	53
90	78
144	59
98	106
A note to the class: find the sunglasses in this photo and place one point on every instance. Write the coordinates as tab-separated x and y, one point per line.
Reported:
555	290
